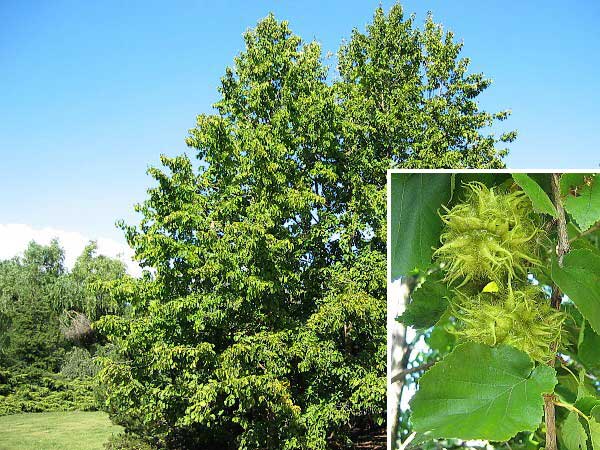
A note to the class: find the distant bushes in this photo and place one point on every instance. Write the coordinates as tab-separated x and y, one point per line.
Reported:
125	441
36	390
32	389
79	363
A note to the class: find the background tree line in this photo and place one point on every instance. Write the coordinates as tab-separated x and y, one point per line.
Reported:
47	344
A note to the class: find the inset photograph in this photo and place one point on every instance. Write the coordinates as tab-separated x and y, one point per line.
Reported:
494	310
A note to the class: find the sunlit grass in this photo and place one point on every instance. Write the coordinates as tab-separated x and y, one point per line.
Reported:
76	430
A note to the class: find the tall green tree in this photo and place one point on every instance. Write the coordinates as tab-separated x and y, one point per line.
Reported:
30	332
85	289
263	324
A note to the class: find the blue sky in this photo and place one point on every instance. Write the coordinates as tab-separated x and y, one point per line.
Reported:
93	92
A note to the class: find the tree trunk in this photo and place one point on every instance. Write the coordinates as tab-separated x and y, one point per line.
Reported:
398	293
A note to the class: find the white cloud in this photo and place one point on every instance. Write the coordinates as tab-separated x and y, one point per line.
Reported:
14	239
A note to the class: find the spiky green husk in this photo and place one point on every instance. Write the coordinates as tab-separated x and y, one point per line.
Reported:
489	237
521	318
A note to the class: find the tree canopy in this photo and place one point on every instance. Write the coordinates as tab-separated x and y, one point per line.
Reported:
262	324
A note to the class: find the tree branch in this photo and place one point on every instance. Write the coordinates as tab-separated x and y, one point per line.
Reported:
561	224
407	441
561	249
550	422
590	230
400	375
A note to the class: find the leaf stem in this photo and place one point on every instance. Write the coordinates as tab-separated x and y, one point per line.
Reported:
572	408
590	230
570	371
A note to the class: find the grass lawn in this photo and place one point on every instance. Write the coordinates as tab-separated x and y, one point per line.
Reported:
76	430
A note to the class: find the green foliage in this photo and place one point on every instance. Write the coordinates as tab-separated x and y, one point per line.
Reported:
572	433
32	346
588	349
506	303
86	289
408	96
264	324
36	390
594	427
582	197
428	303
539	199
415	226
35	291
125	441
30	329
79	363
44	263
479	392
579	278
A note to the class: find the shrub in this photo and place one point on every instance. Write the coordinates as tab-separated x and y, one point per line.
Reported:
79	363
126	441
35	390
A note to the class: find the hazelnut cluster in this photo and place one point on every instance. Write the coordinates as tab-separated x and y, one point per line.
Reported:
492	237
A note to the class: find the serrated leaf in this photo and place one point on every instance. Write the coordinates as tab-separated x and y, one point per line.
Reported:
570	183
579	278
594	428
572	433
588	349
415	222
566	388
539	199
428	303
594	433
581	193
586	403
585	388
481	392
